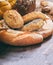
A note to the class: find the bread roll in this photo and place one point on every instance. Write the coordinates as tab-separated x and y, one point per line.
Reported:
22	38
12	2
48	8
4	6
44	3
45	33
13	19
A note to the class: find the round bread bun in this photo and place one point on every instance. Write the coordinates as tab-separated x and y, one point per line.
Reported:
47	9
4	6
13	19
44	3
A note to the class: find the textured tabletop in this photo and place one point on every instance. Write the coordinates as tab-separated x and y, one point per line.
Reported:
41	54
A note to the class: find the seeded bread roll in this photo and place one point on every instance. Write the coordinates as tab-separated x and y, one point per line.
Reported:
13	19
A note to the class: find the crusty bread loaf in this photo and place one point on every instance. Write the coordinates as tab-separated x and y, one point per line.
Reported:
44	3
33	25
22	38
33	15
13	19
12	2
47	8
3	26
18	38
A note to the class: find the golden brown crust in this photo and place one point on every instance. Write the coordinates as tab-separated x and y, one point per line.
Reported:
34	25
44	3
20	38
33	15
45	33
13	19
4	6
12	2
48	8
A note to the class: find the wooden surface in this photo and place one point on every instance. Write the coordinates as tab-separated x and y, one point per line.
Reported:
41	54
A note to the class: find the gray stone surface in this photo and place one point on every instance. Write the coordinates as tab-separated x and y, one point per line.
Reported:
41	54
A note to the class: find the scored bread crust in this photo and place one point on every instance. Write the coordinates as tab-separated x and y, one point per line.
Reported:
13	19
22	38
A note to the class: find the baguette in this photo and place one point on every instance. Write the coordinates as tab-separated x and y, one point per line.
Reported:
23	38
34	25
18	38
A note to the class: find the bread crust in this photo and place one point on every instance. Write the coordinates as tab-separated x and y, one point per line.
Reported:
12	2
47	8
13	19
33	15
33	25
22	38
47	28
4	6
45	33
